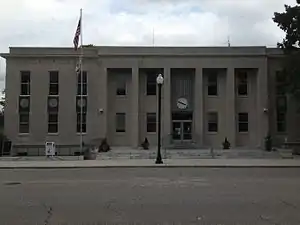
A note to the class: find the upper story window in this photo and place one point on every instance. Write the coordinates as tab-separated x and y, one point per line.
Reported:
151	84
53	83
212	84
121	87
242	86
82	83
25	83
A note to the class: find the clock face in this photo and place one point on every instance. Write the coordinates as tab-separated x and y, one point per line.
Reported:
53	102
81	103
24	103
182	103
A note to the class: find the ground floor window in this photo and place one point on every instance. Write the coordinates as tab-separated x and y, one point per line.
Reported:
24	122
52	122
81	122
281	122
120	122
151	122
243	122
212	122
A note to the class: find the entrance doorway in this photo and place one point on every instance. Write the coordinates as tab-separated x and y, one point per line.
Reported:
182	130
182	126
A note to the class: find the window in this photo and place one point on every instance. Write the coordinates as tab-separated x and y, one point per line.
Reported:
243	122
120	122
121	87
24	122
53	83
24	112
151	122
212	84
53	122
280	83
25	83
281	103
151	84
213	122
81	110
53	107
83	84
281	122
242	84
81	120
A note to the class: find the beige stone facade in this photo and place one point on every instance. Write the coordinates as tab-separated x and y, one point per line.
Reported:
209	93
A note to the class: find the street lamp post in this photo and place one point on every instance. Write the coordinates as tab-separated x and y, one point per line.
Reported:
159	81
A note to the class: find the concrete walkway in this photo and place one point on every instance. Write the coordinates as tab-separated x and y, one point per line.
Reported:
217	163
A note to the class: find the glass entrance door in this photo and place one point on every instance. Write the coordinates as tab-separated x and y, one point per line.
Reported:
182	130
186	130
177	131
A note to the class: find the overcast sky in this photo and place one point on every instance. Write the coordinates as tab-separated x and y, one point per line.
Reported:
131	22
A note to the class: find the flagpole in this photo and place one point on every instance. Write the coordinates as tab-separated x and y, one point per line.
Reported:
81	84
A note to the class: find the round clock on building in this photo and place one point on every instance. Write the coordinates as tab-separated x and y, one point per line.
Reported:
53	103
24	103
182	103
81	103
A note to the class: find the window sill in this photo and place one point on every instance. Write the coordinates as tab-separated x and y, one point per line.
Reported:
23	134
281	133
151	132
243	96
52	134
213	96
121	96
212	132
243	132
78	133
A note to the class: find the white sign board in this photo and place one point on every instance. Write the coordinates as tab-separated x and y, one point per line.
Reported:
50	149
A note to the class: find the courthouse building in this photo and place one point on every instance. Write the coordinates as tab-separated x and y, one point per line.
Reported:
208	94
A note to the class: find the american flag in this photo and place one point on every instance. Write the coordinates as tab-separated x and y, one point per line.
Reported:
77	34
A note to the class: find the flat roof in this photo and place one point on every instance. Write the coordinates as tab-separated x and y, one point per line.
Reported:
95	51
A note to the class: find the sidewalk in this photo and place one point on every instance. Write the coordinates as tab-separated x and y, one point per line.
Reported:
127	153
150	163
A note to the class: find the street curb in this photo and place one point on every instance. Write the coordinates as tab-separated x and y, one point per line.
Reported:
154	166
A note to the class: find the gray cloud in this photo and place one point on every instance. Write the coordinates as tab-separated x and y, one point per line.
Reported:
130	22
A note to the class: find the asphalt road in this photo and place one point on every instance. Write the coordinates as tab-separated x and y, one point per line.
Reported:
150	196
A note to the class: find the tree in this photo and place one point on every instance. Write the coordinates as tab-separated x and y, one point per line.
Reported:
2	103
289	22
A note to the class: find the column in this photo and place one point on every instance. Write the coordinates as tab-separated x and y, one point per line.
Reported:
103	103
230	107
262	102
166	113
134	125
198	106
